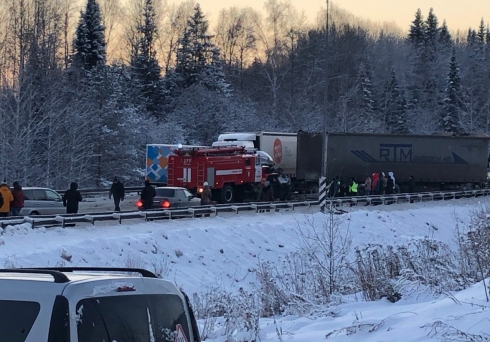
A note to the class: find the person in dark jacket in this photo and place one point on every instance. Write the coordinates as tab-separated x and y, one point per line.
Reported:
71	198
147	195
117	192
18	203
390	185
267	193
276	189
411	184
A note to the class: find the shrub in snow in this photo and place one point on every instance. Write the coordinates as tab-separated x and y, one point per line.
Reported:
389	271
178	253
240	314
474	246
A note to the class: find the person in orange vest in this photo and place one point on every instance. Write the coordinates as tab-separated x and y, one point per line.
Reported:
7	197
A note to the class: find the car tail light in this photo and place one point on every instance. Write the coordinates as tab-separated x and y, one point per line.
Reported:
139	204
166	203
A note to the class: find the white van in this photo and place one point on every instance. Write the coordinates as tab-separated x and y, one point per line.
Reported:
92	305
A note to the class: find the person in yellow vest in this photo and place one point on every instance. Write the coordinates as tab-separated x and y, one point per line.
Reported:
353	187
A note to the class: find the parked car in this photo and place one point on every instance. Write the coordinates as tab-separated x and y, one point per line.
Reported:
42	201
172	197
85	304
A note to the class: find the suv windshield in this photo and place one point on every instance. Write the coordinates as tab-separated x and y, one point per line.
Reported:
17	318
135	318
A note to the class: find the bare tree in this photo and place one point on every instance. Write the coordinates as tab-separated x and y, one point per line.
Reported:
113	16
173	25
328	247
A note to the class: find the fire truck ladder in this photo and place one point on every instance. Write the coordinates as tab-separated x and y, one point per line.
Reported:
170	172
200	174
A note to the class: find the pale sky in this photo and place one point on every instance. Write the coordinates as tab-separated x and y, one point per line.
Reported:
459	14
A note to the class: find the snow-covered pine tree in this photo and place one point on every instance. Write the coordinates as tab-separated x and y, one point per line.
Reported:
452	102
364	104
416	35
145	68
445	40
396	121
198	59
431	36
89	43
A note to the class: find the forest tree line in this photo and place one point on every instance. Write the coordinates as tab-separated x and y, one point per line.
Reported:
80	96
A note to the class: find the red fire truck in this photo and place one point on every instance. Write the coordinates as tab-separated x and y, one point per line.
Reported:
231	172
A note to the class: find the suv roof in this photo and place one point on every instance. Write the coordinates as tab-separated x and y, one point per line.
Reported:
58	274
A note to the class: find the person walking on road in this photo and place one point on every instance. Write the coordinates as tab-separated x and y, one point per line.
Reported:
117	192
18	202
71	198
6	198
147	195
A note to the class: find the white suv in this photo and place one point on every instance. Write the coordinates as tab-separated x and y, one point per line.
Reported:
85	304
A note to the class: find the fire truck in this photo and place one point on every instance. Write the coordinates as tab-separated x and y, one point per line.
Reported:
232	172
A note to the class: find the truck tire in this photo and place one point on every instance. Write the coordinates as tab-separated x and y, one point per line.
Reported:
227	194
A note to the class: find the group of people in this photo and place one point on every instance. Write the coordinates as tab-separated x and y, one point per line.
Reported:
269	190
11	201
375	184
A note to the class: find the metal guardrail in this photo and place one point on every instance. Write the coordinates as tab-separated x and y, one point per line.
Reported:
206	211
102	191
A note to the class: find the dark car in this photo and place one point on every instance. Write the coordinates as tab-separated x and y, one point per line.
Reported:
172	197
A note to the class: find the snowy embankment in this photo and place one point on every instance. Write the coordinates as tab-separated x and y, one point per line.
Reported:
231	253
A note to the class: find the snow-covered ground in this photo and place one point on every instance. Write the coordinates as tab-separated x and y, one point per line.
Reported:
224	253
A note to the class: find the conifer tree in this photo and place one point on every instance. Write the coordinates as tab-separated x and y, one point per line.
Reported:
198	58
396	108
144	63
445	39
452	101
89	43
431	35
416	35
364	103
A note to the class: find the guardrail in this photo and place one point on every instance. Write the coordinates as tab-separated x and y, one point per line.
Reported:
65	220
100	191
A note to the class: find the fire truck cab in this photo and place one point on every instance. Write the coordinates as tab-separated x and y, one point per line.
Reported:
232	172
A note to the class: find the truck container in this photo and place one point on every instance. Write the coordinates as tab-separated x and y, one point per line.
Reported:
157	161
441	161
280	146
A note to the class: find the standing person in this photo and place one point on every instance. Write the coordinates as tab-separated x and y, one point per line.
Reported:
147	195
385	183
7	197
18	202
352	187
71	198
261	186
411	184
117	192
392	175
390	184
266	194
276	189
367	186
206	194
375	184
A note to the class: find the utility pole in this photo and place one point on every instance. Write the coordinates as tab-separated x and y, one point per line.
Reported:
322	189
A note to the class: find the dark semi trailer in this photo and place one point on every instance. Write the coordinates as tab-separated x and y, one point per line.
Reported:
437	162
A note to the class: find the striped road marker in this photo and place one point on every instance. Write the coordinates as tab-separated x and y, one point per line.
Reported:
323	194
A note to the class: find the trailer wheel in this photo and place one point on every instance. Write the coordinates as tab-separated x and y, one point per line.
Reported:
227	194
